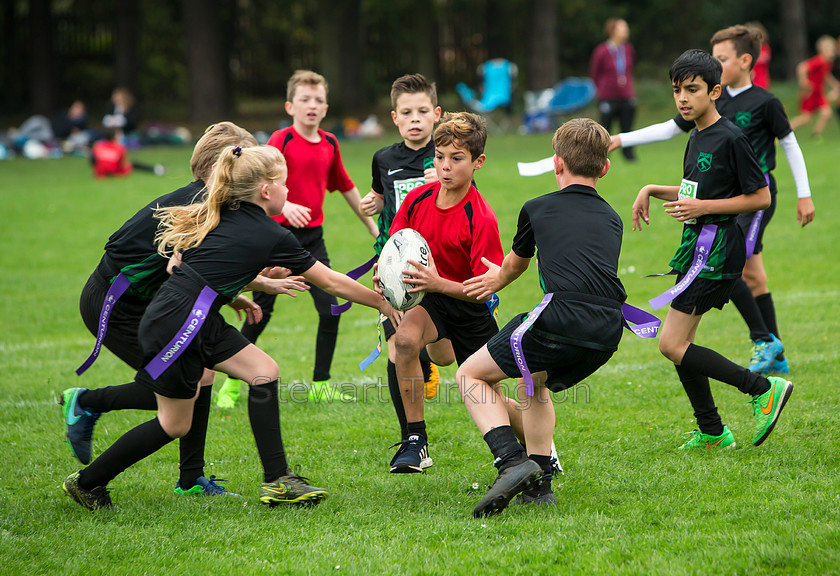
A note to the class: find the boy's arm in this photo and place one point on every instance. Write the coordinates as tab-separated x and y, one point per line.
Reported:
647	135
427	278
353	199
802	74
686	208
804	205
496	277
641	207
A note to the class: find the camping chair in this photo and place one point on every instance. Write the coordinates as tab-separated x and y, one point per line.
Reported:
543	109
497	77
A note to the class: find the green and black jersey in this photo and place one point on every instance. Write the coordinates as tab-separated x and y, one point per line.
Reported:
719	163
760	115
397	170
131	249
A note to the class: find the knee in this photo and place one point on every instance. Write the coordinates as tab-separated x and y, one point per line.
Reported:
174	428
266	371
406	345
207	378
671	350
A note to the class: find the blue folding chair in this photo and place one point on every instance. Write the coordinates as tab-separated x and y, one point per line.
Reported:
542	109
498	79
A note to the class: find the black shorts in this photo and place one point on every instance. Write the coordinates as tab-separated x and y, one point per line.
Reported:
744	221
702	295
467	325
123	321
566	364
215	342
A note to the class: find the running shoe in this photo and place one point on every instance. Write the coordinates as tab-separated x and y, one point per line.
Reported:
510	482
228	394
539	494
696	439
779	366
557	469
291	489
323	391
764	354
205	487
768	406
431	384
99	497
412	456
79	422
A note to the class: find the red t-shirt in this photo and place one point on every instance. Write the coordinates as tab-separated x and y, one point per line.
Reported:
459	236
313	169
110	159
761	71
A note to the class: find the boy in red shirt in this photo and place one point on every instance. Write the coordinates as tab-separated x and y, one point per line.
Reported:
315	166
461	228
109	157
813	74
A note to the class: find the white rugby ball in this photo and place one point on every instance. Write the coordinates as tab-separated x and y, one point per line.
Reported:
405	245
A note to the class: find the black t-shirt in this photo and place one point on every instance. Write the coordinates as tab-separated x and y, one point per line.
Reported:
397	170
760	115
245	241
719	163
577	238
131	249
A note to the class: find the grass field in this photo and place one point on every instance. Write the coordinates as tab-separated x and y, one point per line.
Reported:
630	503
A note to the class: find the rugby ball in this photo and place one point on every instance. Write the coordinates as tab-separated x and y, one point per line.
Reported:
405	245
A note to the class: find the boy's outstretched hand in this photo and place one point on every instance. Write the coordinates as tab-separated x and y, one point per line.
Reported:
641	209
484	286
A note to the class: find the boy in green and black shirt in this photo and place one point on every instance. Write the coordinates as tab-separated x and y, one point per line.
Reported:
721	178
397	170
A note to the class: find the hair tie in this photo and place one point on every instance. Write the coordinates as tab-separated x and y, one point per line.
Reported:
237	151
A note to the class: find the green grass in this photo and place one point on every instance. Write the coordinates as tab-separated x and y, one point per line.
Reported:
629	504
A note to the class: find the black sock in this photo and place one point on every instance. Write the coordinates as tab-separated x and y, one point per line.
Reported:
416	428
425	364
504	446
136	444
544	461
264	413
748	307
396	399
325	346
192	445
710	363
768	312
131	396
699	393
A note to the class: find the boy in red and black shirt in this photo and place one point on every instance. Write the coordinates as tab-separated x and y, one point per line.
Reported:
461	230
109	157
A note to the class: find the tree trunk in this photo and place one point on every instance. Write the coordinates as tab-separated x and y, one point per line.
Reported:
40	57
342	53
126	45
206	64
794	33
542	44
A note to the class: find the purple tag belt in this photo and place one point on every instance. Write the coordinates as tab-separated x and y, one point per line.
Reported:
644	325
117	289
702	249
185	335
755	225
355	274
